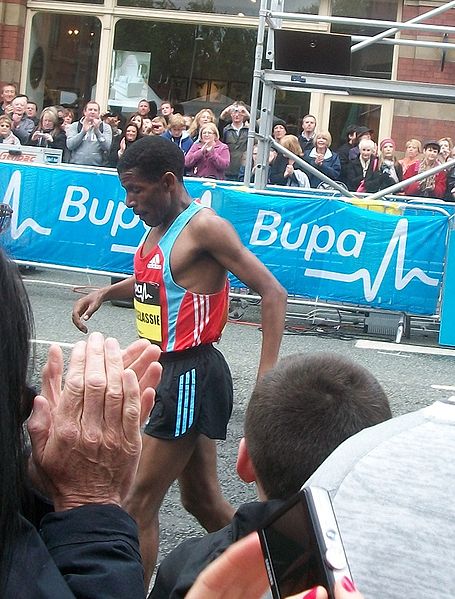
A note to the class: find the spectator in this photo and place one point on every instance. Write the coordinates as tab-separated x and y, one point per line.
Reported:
113	120
177	134
393	483
306	138
325	398
279	130
6	135
159	125
362	133
235	136
344	149
68	118
293	174
433	186
131	135
145	110
203	117
386	171
322	158
9	92
32	111
88	547
146	126
48	133
137	119
208	157
89	140
166	110
446	145
22	125
412	154
188	118
358	168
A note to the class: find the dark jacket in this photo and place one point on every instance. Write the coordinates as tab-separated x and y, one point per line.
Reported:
180	568
91	552
58	142
330	166
378	178
184	142
354	173
237	143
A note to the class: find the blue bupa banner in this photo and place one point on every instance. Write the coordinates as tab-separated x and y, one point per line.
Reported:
317	247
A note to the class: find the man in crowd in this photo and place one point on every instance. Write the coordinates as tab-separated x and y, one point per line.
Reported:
235	136
22	124
32	111
89	140
391	488
306	138
299	412
9	92
166	109
181	298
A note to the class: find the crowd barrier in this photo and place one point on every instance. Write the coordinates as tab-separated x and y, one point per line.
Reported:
330	250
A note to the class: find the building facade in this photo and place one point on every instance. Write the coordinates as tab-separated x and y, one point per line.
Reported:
201	52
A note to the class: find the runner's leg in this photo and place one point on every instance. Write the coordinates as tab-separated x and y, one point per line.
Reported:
162	461
200	490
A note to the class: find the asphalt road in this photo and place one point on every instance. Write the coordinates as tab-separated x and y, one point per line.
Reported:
408	378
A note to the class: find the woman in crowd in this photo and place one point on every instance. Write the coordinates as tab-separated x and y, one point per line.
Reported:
433	186
321	157
68	117
137	120
159	125
293	175
446	145
203	117
6	134
131	135
386	170
208	157
48	133
411	155
88	545
146	128
279	130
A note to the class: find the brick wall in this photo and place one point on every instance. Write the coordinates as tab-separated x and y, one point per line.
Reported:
12	24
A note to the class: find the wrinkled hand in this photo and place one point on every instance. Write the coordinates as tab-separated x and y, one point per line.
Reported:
86	438
239	573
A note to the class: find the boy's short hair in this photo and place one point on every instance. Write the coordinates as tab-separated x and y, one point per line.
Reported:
5	119
176	120
301	410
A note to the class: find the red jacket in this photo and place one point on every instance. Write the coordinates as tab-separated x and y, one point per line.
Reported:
414	188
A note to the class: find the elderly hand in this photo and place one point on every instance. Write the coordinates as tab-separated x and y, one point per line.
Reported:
86	438
240	573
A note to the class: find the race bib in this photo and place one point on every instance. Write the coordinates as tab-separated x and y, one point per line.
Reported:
148	311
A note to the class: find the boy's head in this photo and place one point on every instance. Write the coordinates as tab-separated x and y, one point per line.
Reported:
299	413
176	125
5	125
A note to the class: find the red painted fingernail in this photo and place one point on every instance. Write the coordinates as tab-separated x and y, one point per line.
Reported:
348	585
311	594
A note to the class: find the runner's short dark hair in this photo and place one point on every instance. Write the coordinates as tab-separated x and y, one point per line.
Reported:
301	410
152	156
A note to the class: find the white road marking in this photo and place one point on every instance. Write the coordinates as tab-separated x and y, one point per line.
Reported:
443	387
401	347
46	342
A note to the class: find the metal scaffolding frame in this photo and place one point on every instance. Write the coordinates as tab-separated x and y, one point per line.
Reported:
267	81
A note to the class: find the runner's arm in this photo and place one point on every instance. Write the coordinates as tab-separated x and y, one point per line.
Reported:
89	304
219	239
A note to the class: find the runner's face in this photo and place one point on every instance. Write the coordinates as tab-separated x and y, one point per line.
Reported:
149	200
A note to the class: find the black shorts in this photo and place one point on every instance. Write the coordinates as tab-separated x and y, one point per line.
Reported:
195	393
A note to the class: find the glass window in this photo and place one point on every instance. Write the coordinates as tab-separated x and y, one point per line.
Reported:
343	114
82	1
375	60
231	7
63	59
192	65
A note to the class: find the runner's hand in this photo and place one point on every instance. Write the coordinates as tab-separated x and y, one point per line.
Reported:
84	308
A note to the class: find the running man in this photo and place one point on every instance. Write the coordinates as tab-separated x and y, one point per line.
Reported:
180	291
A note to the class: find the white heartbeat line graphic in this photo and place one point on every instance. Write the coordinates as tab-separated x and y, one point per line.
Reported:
370	291
13	192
